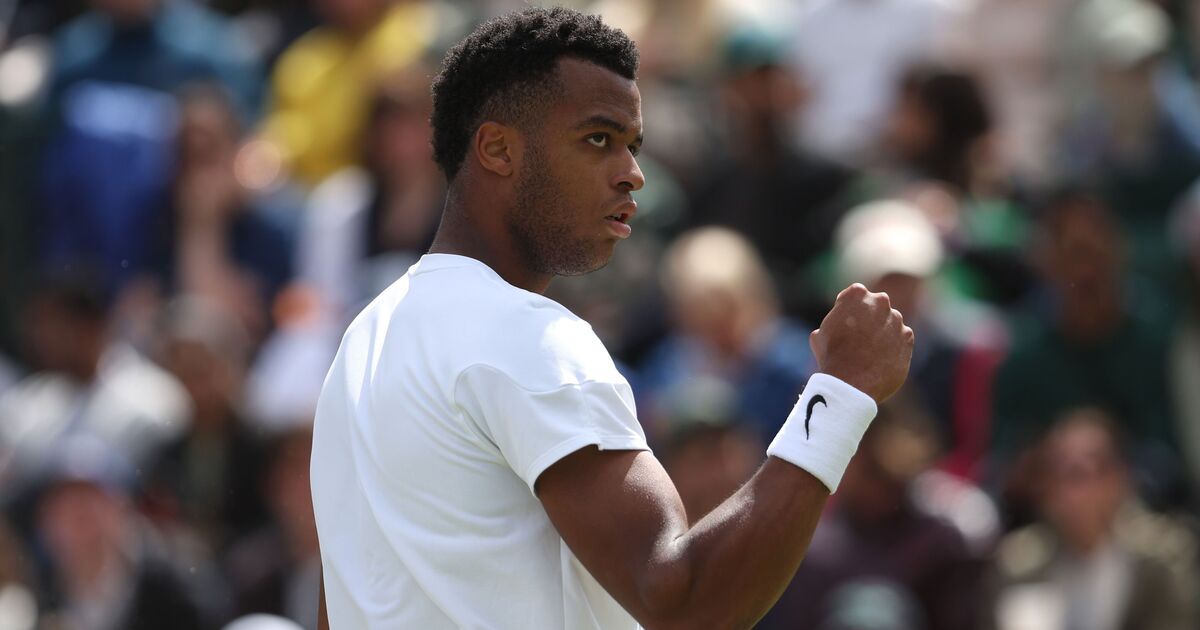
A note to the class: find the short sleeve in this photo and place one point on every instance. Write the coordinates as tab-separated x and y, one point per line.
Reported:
535	429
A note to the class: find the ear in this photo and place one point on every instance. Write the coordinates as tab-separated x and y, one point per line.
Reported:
497	148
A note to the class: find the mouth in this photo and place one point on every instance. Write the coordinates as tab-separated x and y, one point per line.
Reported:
618	221
624	212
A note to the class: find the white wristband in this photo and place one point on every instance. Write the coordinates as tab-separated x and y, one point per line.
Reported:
824	429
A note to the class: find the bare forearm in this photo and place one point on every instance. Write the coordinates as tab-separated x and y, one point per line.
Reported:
730	567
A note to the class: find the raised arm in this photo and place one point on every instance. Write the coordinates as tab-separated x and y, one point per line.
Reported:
621	515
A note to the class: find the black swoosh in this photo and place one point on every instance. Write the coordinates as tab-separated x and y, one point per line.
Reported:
812	402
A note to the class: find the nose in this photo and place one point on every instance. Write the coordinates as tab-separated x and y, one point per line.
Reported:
630	177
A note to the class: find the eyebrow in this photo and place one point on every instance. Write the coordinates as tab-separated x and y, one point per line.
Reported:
600	120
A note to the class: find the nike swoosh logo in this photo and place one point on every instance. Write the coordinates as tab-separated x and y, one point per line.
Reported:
812	402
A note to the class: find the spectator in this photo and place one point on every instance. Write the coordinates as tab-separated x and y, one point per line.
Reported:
106	168
322	83
109	44
221	238
277	569
891	246
877	560
1012	46
730	329
1091	561
850	83
785	200
1080	351
939	141
207	480
366	225
1127	127
87	384
109	568
937	127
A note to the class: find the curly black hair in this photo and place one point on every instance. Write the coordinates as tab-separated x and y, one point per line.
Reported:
507	65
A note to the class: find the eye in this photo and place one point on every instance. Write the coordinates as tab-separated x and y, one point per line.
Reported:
635	149
598	140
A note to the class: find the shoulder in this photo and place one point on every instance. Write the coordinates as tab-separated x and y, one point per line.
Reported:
537	342
534	340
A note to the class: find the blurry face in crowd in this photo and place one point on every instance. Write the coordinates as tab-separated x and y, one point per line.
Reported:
759	97
577	169
710	316
1083	262
909	131
80	521
1083	484
208	132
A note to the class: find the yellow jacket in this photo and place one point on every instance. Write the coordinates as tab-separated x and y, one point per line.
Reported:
323	84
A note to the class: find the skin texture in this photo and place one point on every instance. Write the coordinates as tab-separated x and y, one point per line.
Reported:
531	203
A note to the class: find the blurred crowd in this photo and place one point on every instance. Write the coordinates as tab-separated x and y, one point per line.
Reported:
196	198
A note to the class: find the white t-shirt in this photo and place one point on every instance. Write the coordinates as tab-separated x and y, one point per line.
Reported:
450	394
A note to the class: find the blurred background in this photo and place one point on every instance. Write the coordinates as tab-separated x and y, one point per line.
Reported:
196	198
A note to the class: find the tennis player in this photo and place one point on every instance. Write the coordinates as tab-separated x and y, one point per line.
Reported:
477	459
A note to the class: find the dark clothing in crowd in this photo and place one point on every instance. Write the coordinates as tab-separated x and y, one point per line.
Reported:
911	571
107	167
212	483
1048	373
788	206
156	593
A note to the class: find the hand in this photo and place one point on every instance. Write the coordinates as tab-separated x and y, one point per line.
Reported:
864	342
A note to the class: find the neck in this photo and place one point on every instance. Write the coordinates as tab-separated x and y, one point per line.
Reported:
473	227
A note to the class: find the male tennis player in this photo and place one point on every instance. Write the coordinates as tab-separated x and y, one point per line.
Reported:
477	461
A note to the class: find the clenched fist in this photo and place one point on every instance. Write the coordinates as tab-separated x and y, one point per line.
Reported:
864	342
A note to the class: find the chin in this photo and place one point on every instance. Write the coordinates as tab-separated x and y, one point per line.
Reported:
584	270
581	266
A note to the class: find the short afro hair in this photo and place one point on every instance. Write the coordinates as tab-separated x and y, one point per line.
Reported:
499	69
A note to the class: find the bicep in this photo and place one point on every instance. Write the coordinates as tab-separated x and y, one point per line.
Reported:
620	514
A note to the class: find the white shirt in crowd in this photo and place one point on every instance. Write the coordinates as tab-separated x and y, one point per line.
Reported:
132	407
451	393
850	55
